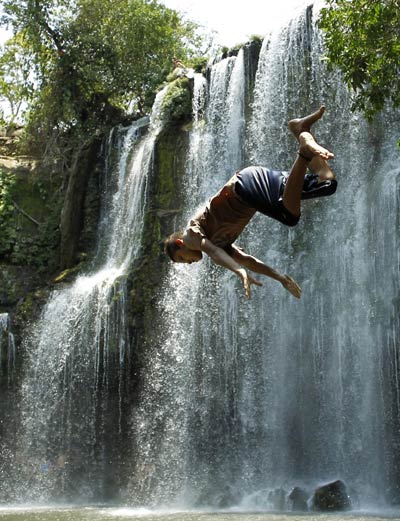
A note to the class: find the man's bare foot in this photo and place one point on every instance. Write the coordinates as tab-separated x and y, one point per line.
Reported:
297	126
310	148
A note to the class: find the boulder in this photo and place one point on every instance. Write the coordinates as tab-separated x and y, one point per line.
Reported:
331	497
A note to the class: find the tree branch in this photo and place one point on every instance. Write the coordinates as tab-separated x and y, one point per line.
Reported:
51	32
20	210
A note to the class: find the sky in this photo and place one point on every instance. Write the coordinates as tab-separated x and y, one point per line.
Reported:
235	21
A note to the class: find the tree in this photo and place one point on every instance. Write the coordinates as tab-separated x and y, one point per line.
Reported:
93	59
16	87
362	38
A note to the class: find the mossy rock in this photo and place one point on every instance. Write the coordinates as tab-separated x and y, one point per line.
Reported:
165	195
29	308
176	107
15	281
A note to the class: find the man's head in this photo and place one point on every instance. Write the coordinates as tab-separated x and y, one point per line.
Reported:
178	252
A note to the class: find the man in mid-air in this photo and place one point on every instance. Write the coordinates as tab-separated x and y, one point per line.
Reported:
277	194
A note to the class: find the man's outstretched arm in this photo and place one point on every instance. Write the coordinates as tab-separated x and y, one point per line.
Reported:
257	266
220	257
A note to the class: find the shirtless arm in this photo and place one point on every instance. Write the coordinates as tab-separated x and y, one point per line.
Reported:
220	257
257	266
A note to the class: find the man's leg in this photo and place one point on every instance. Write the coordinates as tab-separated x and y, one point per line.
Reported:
321	168
309	151
317	165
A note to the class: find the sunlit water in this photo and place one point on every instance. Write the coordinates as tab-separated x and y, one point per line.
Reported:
78	350
236	398
243	398
126	514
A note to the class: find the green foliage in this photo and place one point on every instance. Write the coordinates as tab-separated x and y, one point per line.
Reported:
256	38
362	38
176	106
21	241
7	230
38	250
94	60
16	87
198	64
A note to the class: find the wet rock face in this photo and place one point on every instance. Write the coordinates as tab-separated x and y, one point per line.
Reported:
331	497
11	286
72	220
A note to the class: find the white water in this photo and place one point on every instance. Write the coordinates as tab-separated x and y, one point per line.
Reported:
331	348
78	350
236	398
244	398
170	397
134	514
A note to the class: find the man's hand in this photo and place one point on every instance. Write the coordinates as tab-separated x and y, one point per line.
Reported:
247	281
291	285
240	261
220	257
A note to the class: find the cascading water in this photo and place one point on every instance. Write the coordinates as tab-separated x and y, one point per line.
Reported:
163	421
78	351
326	378
243	398
236	398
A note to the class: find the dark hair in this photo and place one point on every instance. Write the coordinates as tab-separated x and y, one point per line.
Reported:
170	246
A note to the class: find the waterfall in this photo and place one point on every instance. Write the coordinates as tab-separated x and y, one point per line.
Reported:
243	398
164	421
79	349
235	399
325	353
